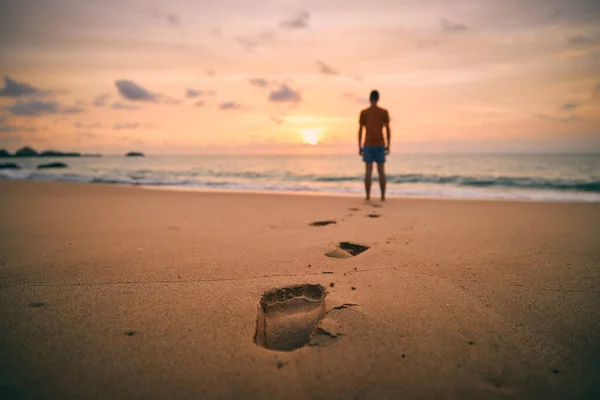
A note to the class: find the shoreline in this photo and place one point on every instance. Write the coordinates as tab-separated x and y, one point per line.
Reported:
374	196
316	193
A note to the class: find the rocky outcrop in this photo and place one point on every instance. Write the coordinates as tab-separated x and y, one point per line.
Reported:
52	165
29	152
26	152
54	153
9	166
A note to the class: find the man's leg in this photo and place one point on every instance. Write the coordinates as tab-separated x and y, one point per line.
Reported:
368	174
382	180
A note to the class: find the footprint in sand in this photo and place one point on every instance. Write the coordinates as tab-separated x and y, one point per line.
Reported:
323	223
346	250
288	317
373	215
354	209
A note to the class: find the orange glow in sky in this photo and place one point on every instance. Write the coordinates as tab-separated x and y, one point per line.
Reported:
239	76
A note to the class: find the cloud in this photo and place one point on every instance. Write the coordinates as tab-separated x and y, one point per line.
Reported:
326	69
88	135
101	100
569	106
355	98
260	82
131	125
583	40
121	106
134	92
251	42
546	117
13	88
81	125
36	108
579	40
14	128
6	128
247	43
71	110
168	100
193	93
172	19
134	142
267	36
284	94
299	21
449	26
230	105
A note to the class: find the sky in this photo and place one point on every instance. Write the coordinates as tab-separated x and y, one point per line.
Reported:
283	76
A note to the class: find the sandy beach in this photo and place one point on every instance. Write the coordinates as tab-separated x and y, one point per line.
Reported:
124	292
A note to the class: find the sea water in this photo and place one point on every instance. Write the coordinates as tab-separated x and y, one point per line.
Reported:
548	177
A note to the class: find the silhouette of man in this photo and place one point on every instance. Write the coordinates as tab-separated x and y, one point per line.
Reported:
374	119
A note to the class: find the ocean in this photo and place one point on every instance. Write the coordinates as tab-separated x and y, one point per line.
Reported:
571	178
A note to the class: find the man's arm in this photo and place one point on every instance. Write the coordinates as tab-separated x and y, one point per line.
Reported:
388	132
361	124
360	130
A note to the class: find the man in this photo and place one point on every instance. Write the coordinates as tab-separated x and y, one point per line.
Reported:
374	119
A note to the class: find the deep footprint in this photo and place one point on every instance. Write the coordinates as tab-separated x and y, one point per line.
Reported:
288	317
322	223
347	250
373	215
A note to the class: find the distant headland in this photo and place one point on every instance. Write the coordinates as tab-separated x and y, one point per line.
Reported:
29	152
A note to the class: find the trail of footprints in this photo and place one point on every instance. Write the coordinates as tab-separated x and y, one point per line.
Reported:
353	209
346	249
293	317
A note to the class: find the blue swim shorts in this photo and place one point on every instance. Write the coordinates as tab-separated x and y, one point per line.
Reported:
374	154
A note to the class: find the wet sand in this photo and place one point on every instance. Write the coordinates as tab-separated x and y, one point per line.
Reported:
123	292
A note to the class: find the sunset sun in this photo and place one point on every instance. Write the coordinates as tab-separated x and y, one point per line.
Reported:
311	136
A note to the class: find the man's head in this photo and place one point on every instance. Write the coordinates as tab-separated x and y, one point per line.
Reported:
374	97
